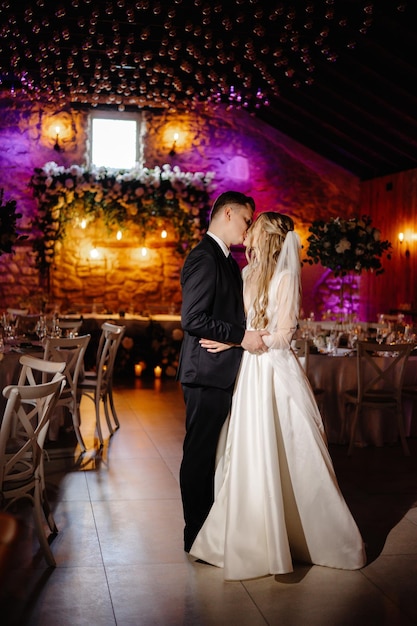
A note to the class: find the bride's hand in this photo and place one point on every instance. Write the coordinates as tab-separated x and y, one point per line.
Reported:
214	346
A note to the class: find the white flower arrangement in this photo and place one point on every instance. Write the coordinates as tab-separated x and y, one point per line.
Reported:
345	245
142	196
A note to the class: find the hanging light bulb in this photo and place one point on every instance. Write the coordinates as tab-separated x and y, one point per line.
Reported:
119	235
164	234
83	223
94	253
144	252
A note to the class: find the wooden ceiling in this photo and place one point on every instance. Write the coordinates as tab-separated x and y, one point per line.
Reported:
339	76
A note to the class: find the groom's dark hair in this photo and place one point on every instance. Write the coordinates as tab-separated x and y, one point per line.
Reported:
231	197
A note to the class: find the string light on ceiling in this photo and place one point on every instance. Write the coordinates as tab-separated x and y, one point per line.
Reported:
171	54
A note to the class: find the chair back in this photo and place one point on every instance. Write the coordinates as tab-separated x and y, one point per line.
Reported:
70	326
71	351
112	336
106	329
22	433
35	370
380	370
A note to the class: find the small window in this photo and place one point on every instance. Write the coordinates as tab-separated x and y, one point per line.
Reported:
115	140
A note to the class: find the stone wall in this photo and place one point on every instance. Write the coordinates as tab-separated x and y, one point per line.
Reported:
245	154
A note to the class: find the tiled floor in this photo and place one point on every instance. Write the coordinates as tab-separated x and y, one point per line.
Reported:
119	551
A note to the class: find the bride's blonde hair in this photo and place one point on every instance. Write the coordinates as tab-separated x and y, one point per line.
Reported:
264	242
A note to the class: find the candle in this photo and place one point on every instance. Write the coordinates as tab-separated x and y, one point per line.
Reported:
138	369
157	371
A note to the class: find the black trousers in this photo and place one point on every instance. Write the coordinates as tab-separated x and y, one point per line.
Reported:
206	410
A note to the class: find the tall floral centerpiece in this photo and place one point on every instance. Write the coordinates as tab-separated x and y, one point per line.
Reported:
346	247
141	196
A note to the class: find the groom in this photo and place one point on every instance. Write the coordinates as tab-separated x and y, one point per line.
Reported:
212	308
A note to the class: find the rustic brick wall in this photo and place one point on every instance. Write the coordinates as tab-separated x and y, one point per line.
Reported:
245	154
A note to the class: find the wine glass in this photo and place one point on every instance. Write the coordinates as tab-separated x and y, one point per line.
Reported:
40	328
380	335
8	328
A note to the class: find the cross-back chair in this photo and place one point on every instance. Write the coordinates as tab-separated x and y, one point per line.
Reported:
98	385
69	327
22	436
380	379
34	371
71	351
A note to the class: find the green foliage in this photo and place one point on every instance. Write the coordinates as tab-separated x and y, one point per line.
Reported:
346	245
9	235
141	196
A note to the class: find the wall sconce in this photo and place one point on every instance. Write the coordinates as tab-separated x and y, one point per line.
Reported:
408	237
57	147
172	152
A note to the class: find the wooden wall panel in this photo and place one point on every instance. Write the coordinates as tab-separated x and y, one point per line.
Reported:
391	201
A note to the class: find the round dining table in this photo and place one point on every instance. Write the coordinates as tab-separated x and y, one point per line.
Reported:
337	373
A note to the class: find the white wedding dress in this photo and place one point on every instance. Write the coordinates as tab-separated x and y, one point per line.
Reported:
277	497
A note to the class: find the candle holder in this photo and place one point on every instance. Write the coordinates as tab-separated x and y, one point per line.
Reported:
138	370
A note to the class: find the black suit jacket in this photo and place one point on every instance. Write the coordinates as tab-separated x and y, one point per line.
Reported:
212	307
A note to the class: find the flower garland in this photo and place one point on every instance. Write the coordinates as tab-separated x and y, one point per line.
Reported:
8	230
140	196
346	245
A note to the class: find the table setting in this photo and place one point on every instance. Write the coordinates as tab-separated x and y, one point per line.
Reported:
333	367
30	338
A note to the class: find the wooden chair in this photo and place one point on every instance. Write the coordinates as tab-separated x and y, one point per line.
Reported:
379	384
98	385
34	371
70	350
70	327
22	435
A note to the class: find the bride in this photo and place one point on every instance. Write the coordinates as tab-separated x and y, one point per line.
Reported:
277	497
